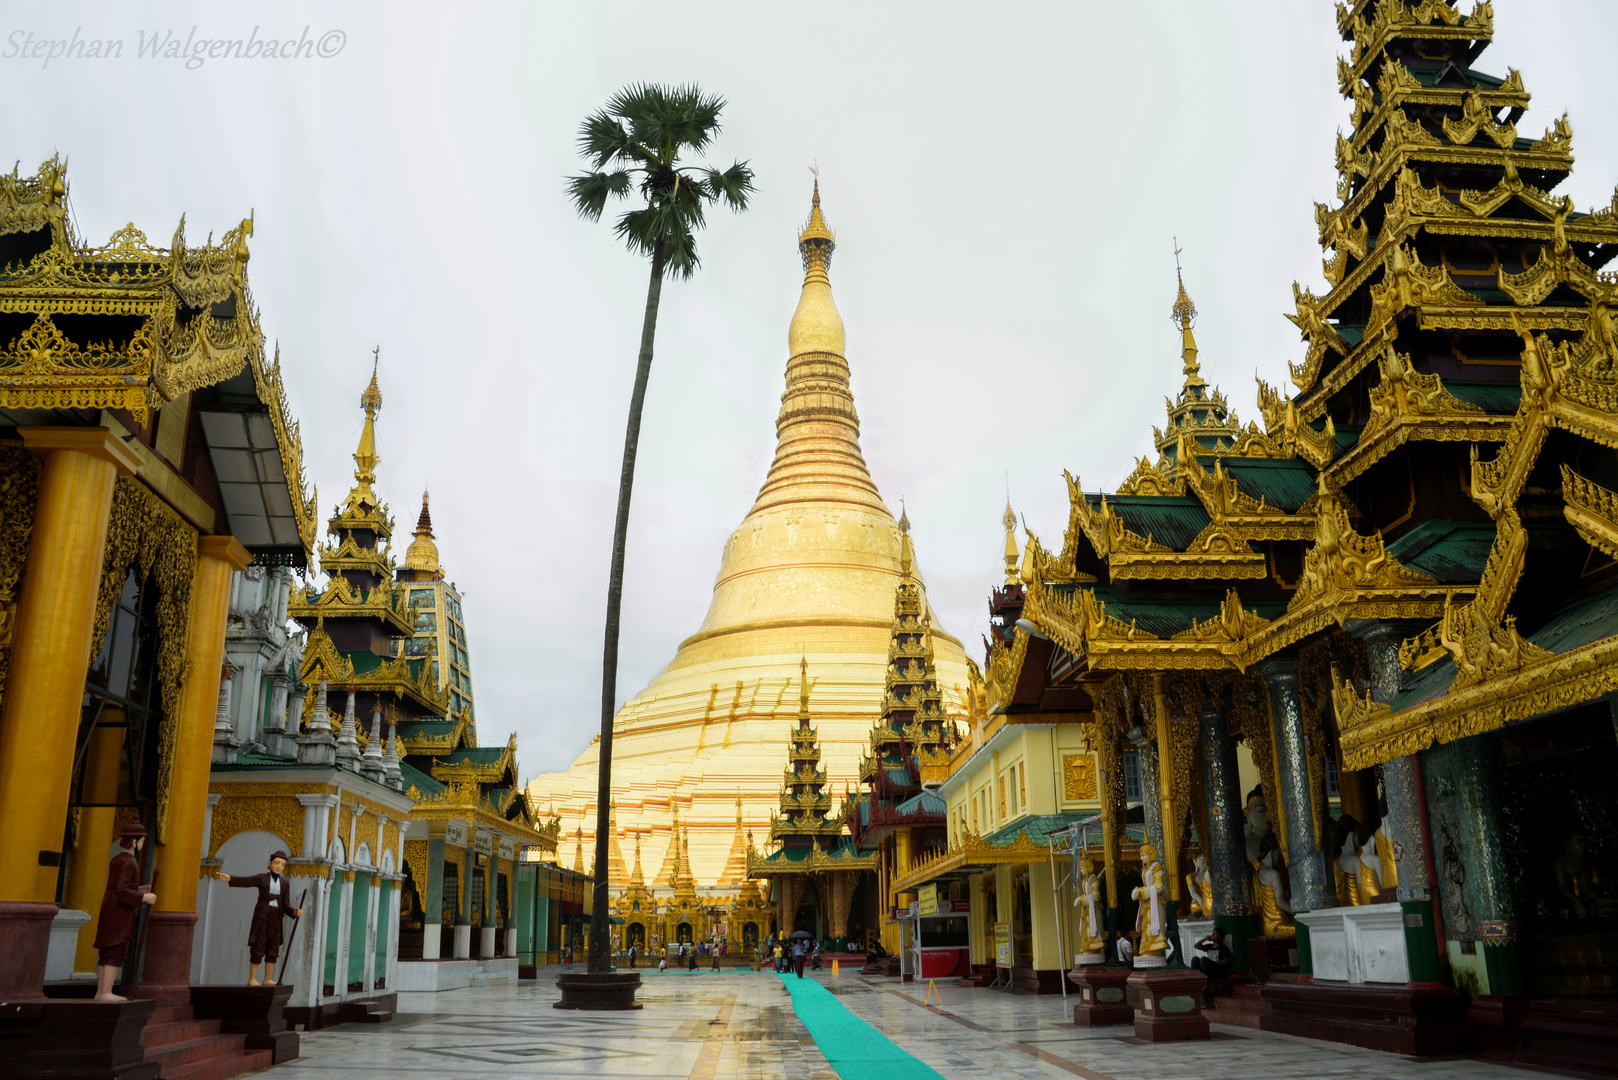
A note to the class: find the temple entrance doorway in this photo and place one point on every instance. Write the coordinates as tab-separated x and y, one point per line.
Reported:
749	935
637	936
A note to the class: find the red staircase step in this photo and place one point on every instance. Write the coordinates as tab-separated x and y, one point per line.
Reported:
221	1068
193	1050
168	1014
156	1036
1233	1018
1251	991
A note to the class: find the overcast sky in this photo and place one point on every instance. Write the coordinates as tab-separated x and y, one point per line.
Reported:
1006	182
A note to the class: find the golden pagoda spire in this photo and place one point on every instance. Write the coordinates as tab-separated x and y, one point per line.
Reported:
1010	522
617	874
636	878
818	429
365	456
422	554
578	851
736	865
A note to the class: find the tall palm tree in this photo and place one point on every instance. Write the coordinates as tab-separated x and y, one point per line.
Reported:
634	145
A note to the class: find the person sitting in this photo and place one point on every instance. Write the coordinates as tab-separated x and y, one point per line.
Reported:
1214	961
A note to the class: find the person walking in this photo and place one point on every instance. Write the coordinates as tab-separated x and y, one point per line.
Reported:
800	954
816	957
778	958
632	956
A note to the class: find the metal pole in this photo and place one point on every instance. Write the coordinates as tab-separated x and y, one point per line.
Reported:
1056	905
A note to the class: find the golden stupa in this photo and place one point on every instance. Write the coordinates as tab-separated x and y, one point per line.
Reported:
811	572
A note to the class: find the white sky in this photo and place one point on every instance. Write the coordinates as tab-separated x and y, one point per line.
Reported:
1005	181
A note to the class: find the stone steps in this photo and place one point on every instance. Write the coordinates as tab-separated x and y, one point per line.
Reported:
185	1048
221	1068
1240	1008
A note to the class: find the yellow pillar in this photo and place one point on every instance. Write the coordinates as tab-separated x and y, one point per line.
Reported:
55	617
901	860
87	866
1165	783
180	857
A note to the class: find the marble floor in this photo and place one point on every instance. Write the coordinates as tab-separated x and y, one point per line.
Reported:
704	1025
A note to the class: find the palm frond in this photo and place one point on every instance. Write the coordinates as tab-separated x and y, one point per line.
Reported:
602	139
733	185
592	190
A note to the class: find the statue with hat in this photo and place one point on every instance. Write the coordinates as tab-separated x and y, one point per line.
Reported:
119	905
264	938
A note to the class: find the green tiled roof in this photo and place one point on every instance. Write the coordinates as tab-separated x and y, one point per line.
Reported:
1454	552
1038	827
1164	618
1498	399
414	777
433	726
1174	520
926	802
1286	483
477	755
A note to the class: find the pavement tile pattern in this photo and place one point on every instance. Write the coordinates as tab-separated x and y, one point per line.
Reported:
722	1025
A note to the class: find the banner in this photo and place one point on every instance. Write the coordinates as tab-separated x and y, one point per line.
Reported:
927	900
1002	944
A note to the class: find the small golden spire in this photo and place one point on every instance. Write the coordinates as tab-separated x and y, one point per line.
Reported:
803	707
365	455
1010	522
907	554
1184	316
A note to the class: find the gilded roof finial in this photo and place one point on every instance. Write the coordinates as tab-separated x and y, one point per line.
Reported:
816	242
907	555
365	456
422	554
803	706
1185	316
1010	522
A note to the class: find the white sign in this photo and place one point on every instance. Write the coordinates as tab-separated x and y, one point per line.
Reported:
455	833
508	848
485	843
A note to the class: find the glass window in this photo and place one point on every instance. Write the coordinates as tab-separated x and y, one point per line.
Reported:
1132	790
421	598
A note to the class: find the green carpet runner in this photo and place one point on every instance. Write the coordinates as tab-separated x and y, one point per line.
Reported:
855	1049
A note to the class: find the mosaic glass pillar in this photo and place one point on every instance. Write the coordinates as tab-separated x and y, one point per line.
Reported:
1403	823
1463	775
1226	842
1311	879
1142	739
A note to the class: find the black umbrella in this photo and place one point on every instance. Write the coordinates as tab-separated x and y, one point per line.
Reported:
796	934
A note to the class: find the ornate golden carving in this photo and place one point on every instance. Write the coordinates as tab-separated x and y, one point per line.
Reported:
143	534
19	488
1588	673
1476	117
1287	424
242	810
1146	480
1592	510
1342	560
1078	776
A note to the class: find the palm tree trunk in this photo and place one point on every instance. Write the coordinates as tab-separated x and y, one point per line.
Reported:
600	905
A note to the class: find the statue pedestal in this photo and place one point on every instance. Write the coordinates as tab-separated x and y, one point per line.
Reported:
1358	945
1191	932
1170	1008
25	942
1101	995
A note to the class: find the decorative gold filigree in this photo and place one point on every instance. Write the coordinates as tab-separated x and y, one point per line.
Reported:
144	535
1286	424
19	489
1146	480
1316	332
1477	117
1592	510
1342	560
1078	776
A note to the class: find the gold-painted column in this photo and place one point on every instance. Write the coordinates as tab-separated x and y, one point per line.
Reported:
901	859
1165	783
180	856
87	866
55	617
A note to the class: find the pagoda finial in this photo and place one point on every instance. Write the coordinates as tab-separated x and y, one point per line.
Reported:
422	554
907	553
816	242
803	705
1184	316
365	456
1010	522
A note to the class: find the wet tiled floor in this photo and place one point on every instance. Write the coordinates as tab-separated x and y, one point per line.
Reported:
707	1025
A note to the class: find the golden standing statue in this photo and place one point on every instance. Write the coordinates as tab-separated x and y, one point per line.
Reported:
1199	885
1269	870
1092	939
1151	922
